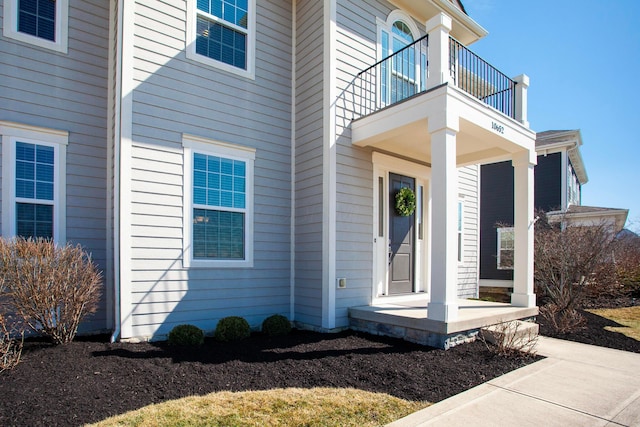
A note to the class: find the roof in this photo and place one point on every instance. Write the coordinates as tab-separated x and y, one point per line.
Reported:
552	141
592	214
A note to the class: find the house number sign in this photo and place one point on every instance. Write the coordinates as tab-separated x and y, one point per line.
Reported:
498	128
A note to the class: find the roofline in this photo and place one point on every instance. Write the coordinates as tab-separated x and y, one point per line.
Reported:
620	215
572	143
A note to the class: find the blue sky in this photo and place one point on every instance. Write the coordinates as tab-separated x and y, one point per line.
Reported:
583	59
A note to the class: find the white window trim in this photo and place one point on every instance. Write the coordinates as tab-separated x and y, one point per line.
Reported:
500	230
190	42
12	132
191	144
10	27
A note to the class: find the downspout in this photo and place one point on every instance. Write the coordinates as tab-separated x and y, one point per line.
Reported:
117	126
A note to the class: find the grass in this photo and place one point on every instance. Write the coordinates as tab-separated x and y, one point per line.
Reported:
629	317
277	408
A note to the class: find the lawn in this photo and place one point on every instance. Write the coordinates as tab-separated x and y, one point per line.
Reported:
628	319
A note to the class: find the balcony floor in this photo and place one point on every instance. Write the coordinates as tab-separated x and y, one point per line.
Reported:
408	320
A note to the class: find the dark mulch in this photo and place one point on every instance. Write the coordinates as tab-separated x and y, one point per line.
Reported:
90	379
594	332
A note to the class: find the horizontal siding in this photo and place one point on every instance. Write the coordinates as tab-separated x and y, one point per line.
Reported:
49	89
308	162
468	269
174	96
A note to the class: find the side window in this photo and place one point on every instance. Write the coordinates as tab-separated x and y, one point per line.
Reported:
221	33
39	22
219	216
33	178
505	248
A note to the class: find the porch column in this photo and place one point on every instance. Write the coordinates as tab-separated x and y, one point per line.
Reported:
523	294
438	29
521	101
443	305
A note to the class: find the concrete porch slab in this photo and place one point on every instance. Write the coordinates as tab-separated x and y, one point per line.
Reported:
409	320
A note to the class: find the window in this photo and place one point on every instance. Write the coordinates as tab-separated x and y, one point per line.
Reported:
221	33
219	213
39	22
460	228
505	248
404	74
33	177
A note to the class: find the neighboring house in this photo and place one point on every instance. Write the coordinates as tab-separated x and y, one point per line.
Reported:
559	177
233	158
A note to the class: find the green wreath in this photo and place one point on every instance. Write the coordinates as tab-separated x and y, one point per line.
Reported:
405	201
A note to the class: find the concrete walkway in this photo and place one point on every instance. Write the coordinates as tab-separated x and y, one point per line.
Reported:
576	385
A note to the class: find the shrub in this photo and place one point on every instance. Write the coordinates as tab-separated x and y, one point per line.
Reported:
571	263
186	335
276	325
10	347
232	328
51	287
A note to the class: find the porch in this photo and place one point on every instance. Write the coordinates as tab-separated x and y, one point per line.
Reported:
436	105
410	320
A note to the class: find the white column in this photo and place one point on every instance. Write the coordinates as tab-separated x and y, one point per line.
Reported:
443	305
521	101
523	294
438	29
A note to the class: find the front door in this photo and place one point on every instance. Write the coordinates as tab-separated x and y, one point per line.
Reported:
401	240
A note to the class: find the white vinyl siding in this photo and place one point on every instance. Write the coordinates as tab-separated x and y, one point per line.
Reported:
43	23
468	266
174	97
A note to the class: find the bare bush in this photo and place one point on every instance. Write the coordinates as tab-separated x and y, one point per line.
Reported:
570	261
51	287
510	339
11	340
562	320
627	264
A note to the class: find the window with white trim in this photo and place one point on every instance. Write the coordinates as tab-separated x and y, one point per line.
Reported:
401	75
505	248
33	178
221	33
42	23
219	204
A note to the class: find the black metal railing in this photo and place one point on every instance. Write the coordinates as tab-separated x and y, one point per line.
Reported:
481	80
391	80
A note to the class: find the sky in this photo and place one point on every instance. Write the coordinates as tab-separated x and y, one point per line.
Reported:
583	60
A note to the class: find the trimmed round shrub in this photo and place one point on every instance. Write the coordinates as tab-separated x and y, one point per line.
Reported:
276	325
232	328
186	335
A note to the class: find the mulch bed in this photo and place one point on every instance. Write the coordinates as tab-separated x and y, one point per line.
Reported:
594	331
90	379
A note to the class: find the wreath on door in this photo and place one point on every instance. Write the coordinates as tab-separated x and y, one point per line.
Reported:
405	201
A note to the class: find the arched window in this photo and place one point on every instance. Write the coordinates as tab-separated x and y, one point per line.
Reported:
400	71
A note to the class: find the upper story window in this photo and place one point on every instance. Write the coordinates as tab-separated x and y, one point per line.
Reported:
221	33
573	187
404	72
33	178
219	214
39	22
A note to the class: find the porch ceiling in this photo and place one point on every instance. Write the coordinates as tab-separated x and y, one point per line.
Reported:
484	136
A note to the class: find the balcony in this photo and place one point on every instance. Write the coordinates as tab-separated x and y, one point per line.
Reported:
404	75
396	104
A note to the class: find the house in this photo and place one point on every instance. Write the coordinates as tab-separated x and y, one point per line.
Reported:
243	157
559	176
